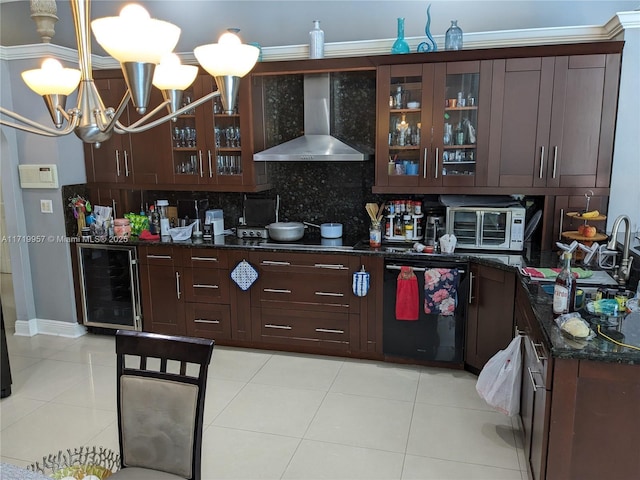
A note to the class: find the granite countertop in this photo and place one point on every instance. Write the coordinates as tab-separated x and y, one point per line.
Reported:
598	348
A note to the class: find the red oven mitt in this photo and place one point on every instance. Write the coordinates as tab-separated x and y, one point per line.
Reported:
407	300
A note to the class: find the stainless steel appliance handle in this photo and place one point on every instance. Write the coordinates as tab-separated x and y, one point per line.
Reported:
533	382
561	224
276	290
117	163
134	276
178	285
329	330
415	269
555	161
535	349
280	327
126	164
541	161
424	164
470	288
436	161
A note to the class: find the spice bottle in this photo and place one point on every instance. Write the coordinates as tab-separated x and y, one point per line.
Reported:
564	291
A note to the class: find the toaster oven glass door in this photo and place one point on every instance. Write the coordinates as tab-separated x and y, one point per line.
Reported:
494	231
465	225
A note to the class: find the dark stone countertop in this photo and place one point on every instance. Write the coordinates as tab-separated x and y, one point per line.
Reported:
597	349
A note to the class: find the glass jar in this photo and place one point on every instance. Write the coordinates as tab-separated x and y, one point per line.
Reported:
375	235
453	37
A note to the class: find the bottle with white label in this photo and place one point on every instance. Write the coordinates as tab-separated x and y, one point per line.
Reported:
564	291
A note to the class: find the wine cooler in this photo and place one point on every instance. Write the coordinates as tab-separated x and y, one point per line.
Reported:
109	286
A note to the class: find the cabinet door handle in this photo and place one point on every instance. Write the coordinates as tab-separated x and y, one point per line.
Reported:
336	266
436	161
210	167
470	288
279	327
203	285
533	382
519	332
201	320
126	163
329	330
200	159
535	350
205	259
329	294
273	262
561	224
117	163
178	285
555	161
159	256
276	290
541	161
424	164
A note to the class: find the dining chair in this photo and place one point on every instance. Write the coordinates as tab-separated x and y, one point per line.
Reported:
161	391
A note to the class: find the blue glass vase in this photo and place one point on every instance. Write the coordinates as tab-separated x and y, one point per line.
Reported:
400	45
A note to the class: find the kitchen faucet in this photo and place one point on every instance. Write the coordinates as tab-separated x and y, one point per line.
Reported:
624	269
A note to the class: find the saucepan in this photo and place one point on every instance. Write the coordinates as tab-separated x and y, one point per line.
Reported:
328	230
286	231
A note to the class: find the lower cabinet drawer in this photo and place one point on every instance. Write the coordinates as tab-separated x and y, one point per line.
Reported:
304	328
208	320
204	285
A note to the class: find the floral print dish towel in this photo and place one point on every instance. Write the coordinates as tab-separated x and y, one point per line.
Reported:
440	291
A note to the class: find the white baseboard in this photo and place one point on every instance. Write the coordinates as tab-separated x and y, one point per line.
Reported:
35	326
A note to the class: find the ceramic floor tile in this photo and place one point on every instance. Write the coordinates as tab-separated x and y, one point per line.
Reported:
243	455
360	421
454	388
107	438
299	371
14	407
330	461
47	379
90	349
377	379
271	409
219	393
51	428
39	346
236	364
425	468
462	434
98	390
20	362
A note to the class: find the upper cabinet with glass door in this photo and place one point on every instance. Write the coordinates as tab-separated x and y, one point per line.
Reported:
432	125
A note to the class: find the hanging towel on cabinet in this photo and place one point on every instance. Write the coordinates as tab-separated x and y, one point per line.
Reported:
407	299
440	291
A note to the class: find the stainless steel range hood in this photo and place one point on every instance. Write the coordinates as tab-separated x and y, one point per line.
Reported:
316	144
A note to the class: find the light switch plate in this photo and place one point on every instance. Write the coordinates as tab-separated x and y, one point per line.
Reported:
46	206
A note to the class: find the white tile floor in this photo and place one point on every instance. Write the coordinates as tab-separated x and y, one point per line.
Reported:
272	415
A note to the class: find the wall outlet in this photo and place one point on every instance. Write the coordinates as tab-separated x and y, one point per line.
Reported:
46	206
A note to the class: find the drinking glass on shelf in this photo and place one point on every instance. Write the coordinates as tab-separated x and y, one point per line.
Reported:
218	136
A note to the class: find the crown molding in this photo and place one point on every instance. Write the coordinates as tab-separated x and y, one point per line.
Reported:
620	22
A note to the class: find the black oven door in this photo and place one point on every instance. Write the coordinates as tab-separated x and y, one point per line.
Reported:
433	338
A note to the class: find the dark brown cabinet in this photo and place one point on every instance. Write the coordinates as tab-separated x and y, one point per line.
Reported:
432	125
489	314
305	301
141	158
162	287
552	121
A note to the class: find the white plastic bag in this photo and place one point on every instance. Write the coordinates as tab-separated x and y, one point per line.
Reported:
499	381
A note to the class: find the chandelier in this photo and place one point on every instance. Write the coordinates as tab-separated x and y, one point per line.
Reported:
143	46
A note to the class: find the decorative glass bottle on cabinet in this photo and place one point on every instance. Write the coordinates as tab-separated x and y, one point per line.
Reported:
460	122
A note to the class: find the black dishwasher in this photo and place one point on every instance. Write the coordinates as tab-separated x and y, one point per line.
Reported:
436	339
